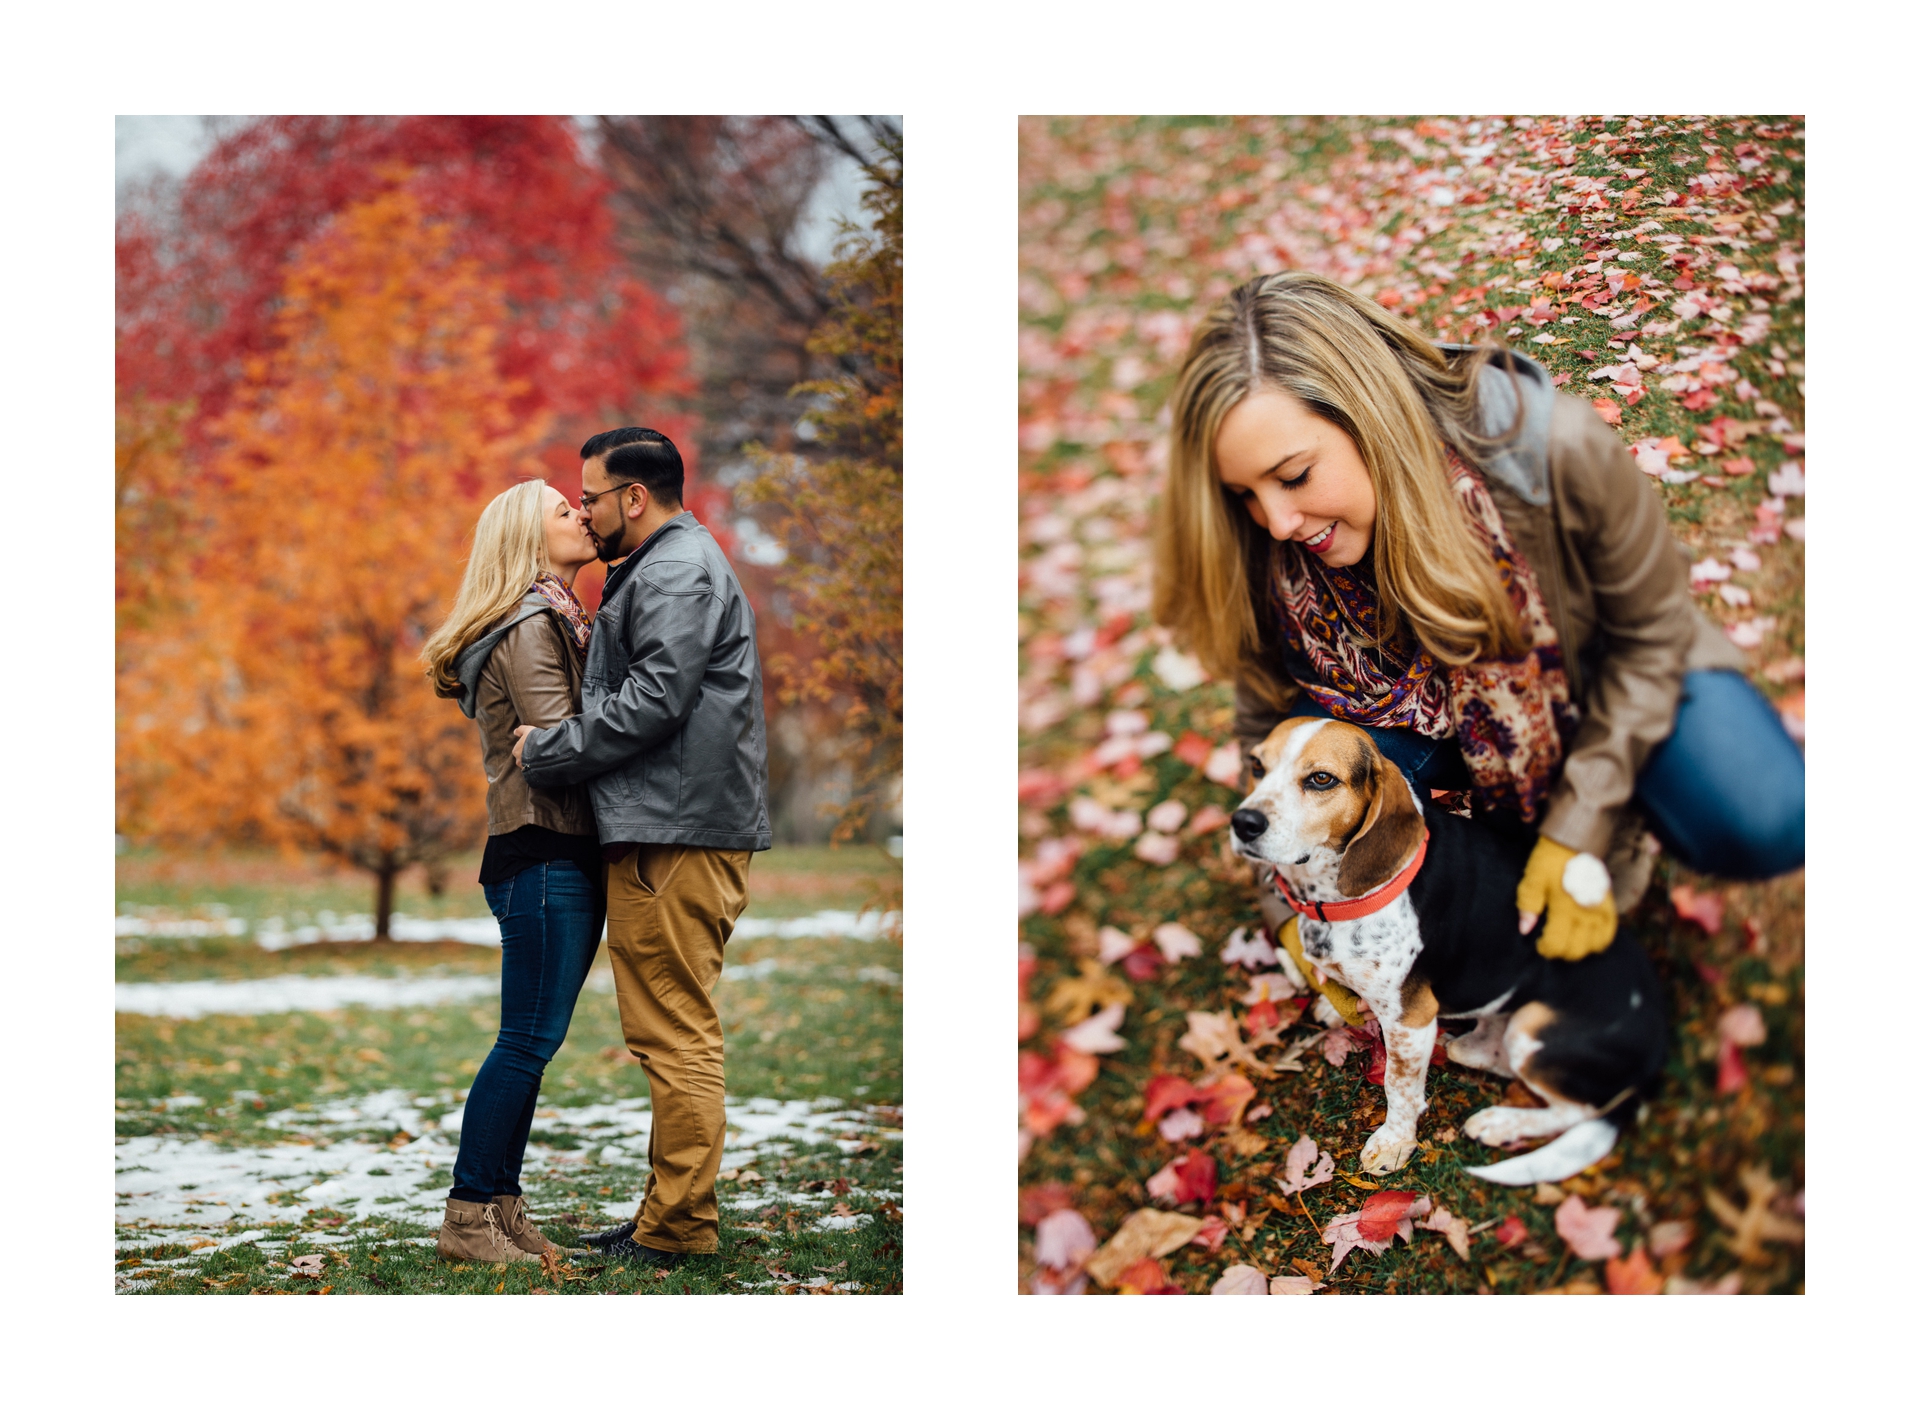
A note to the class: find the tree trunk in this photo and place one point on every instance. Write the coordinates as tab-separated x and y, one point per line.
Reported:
383	902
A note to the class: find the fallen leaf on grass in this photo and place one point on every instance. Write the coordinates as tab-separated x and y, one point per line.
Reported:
1214	1038
1213	1233
1756	1224
1669	1236
1302	1173
1146	1277
1678	1286
1703	908
1097	1034
1740	1027
1224	1099
1192	1177
1176	942
1633	1275
1290	1286
1609	410
1146	1233
1510	1232
1241	1280
1588	1231
1374	1224
1248	947
1074	1000
307	1265
1062	1243
1450	1226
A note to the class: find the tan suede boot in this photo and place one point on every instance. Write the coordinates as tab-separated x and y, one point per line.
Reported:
471	1233
523	1232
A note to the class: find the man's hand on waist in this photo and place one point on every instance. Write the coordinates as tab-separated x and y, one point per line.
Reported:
520	733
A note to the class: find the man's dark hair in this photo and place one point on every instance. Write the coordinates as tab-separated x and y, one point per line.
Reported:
637	455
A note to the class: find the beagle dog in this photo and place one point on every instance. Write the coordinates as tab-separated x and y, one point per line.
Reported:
1416	914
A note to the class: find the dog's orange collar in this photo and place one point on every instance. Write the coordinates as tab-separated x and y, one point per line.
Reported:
1375	900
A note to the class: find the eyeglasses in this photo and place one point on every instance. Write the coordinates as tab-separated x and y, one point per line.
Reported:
586	499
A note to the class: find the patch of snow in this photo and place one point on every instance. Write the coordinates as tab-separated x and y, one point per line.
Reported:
468	930
297	992
842	1221
845	925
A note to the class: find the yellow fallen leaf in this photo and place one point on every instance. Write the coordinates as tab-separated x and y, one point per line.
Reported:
1146	1233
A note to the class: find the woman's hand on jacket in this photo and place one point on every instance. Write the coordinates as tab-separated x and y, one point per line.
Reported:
520	733
1576	894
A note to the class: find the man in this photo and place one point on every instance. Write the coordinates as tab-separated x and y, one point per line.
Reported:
672	743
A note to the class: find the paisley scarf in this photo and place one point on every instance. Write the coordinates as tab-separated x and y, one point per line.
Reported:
1513	718
570	608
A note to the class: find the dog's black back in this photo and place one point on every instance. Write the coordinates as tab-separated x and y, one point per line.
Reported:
1610	1030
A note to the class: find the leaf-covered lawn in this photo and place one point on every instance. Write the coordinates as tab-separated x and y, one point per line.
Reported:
320	1133
1655	266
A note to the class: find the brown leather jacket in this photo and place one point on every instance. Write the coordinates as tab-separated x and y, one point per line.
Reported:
1616	587
532	677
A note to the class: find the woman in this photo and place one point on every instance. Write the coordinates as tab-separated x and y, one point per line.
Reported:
1429	542
511	652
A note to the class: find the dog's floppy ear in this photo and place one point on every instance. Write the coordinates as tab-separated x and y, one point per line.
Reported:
1388	835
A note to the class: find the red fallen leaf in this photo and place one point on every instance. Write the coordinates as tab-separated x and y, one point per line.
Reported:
1225	1098
1164	1093
1141	963
1029	1021
1703	908
1377	1069
1146	1277
1633	1275
1698	401
1609	410
1038	1201
1264	1014
1511	1232
1560	379
1074	1070
1048	1109
1198	1177
1036	1073
1057	897
1738	465
1213	1233
1732	1075
1382	1213
1193	750
1211	818
1589	354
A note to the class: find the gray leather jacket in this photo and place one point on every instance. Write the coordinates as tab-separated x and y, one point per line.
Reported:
670	737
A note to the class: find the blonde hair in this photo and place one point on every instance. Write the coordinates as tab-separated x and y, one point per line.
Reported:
1400	401
509	552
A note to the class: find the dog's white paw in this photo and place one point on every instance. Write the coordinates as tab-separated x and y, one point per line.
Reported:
1385	1153
1501	1125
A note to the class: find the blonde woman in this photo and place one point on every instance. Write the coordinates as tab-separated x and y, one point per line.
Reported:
1430	542
511	653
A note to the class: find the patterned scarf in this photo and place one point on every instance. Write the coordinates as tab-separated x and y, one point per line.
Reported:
1513	718
568	606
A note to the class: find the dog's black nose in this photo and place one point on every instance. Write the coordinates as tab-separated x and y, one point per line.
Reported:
1248	824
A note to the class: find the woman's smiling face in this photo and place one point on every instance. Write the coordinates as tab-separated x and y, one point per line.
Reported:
1299	476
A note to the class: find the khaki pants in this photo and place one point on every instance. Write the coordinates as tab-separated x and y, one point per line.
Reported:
670	912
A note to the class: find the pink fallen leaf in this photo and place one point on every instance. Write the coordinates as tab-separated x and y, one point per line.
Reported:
1176	942
1249	948
1731	1070
1190	1179
1213	1233
1064	1239
1211	818
1306	1167
1678	1286
1157	849
1038	1201
1669	1236
1703	908
1241	1280
1223	765
1450	1226
1115	944
1167	816
1608	408
1587	1231
1166	1092
1743	1026
1181	1124
1293	1287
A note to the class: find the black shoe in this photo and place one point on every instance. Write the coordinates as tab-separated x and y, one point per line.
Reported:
607	1236
639	1253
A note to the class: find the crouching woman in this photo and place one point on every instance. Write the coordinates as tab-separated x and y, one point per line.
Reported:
1431	543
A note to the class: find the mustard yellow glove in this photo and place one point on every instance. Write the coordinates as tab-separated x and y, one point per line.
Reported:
1577	895
1345	1002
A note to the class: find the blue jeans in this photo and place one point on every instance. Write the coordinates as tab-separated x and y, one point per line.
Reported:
1726	792
550	920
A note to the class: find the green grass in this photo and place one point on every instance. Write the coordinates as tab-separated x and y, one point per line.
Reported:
819	1024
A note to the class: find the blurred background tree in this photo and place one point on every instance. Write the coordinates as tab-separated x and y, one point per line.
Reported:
838	508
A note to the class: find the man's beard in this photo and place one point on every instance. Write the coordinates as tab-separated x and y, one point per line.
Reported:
614	547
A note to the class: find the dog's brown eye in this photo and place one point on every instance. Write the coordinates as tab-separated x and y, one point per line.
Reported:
1259	769
1320	779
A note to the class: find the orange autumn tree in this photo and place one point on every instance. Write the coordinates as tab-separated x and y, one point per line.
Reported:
840	514
288	702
